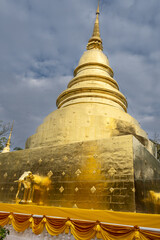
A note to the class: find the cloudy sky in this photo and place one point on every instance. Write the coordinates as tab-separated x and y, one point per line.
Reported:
41	42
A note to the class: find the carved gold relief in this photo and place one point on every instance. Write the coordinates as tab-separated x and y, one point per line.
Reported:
40	161
76	189
61	189
111	171
49	174
35	187
65	158
12	188
111	190
78	172
154	198
75	206
5	175
133	190
93	189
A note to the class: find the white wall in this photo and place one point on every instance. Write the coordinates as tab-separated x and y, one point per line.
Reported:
28	235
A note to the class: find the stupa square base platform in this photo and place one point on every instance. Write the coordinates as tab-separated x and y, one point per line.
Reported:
113	174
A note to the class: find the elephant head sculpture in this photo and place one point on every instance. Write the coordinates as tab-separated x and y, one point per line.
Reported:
35	187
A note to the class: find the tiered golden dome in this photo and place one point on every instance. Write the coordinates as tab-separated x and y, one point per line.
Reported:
93	78
92	107
93	82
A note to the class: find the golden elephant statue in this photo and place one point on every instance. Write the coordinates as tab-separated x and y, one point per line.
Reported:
35	188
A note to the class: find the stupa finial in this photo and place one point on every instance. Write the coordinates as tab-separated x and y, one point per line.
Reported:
95	41
7	147
98	12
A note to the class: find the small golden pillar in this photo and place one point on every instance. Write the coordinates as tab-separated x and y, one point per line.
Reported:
7	147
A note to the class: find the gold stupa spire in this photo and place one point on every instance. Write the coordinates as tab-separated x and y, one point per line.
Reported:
98	8
7	147
95	41
92	107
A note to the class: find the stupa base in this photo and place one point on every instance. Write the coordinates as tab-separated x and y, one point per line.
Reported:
110	174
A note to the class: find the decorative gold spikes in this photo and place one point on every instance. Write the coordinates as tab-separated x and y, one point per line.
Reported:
49	174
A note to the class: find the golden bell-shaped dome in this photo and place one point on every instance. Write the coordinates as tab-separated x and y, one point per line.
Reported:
93	82
92	107
93	56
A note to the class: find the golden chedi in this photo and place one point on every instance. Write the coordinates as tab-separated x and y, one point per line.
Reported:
92	107
7	147
93	154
